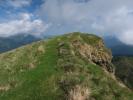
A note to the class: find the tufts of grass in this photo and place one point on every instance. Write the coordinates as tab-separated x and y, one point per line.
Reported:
55	74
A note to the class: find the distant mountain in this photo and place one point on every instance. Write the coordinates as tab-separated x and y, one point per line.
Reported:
12	42
8	43
73	66
124	69
118	48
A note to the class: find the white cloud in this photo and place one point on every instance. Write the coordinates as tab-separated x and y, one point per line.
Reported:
113	17
127	37
24	24
19	3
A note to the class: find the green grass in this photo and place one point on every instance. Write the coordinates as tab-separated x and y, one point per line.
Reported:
38	83
105	88
55	75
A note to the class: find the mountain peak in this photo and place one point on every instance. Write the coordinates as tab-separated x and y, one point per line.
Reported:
89	47
69	67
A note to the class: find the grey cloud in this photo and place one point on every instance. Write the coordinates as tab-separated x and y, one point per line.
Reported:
112	17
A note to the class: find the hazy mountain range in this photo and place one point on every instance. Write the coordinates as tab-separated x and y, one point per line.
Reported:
12	42
118	48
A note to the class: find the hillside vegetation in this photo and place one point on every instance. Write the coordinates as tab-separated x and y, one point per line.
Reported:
124	69
73	66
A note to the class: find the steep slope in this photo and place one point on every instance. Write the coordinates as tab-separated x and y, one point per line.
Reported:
124	69
68	67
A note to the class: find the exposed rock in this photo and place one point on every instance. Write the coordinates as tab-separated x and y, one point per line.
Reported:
96	54
62	50
73	54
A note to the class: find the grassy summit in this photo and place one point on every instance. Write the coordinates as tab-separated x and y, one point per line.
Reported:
73	66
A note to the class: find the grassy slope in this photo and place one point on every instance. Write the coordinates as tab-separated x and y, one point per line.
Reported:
42	82
37	83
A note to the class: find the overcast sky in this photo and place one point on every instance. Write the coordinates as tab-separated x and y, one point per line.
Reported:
50	17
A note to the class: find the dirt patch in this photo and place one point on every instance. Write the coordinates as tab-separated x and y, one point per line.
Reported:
41	49
4	88
79	93
31	65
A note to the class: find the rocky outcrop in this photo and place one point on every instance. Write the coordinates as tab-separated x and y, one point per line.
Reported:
97	54
73	51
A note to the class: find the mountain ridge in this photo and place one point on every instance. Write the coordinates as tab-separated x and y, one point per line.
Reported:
15	41
117	47
67	67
